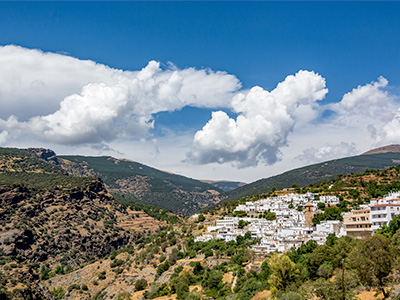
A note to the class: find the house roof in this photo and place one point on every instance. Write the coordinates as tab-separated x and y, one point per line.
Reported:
308	205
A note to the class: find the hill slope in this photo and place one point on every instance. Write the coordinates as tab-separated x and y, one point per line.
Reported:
317	172
225	185
134	181
51	222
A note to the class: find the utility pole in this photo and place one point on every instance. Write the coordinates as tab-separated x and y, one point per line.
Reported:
343	279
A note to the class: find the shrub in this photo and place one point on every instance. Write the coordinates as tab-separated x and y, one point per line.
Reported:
102	275
58	293
73	287
140	284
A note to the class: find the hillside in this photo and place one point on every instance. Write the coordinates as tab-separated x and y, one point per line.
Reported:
133	181
317	172
64	237
225	185
170	265
54	223
385	149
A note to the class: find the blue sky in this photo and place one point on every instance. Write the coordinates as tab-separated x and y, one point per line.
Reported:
346	44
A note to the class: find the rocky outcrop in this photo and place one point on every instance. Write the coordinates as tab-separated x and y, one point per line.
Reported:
63	228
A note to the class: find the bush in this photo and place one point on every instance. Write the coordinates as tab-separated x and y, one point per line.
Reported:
102	275
73	287
140	284
201	218
162	258
117	263
58	293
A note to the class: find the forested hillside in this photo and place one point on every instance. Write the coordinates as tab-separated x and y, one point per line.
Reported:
317	172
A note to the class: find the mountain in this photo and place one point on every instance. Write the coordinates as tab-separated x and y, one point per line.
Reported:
66	237
133	181
385	149
321	171
225	185
171	265
52	223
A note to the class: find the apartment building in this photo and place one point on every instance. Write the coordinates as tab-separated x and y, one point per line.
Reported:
358	222
383	210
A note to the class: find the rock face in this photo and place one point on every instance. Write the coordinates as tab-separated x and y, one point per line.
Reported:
45	154
69	167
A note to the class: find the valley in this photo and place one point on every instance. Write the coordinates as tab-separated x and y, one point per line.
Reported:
67	234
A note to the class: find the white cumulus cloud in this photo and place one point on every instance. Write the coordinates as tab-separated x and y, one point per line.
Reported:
390	132
328	152
264	122
371	100
65	100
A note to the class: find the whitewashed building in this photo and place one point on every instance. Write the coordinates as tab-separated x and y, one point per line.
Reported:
383	210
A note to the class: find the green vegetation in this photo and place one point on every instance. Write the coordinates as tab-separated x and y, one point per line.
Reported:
153	211
148	185
315	173
330	214
140	284
19	166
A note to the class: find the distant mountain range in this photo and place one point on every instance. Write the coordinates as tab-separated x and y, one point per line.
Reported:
225	185
380	158
132	182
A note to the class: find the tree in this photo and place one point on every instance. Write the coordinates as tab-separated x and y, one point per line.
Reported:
320	255
140	284
283	272
330	214
342	248
213	280
373	260
321	205
333	213
392	228
201	218
242	224
331	239
326	289
181	285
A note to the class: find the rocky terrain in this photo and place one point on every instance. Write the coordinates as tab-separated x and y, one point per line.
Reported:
68	237
136	182
52	223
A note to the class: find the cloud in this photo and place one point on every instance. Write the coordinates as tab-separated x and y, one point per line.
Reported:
3	137
33	82
390	132
327	152
370	100
264	121
64	100
372	109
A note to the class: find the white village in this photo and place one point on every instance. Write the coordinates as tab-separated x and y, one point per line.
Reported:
293	225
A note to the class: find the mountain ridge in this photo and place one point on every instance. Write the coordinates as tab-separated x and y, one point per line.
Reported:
385	149
316	172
